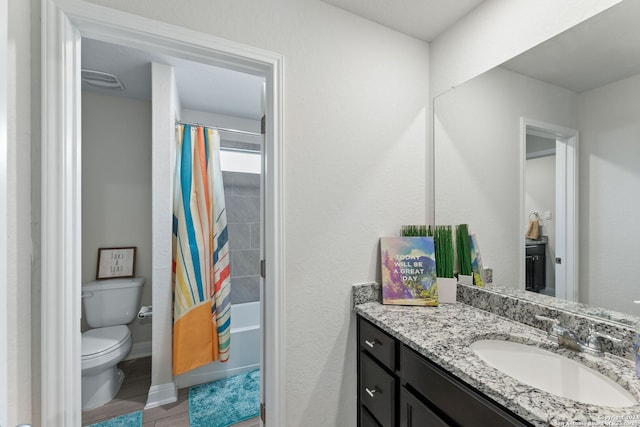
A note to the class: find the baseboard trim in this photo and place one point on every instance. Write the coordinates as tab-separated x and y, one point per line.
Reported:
190	379
138	350
161	395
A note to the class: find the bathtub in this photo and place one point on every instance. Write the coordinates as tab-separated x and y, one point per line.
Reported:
245	348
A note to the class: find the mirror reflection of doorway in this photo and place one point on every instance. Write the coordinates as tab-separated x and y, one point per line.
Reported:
540	207
549	200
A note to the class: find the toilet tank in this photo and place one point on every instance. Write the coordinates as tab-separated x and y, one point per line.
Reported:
111	302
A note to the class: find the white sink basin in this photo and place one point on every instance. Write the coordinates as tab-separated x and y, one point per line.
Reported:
552	373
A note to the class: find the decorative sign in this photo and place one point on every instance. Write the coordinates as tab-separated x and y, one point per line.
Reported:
476	262
116	262
408	271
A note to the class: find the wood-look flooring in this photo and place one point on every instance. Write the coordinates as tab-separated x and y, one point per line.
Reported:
133	396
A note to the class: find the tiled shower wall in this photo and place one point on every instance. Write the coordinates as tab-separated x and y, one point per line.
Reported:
242	197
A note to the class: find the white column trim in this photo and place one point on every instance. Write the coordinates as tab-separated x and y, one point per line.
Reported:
274	283
61	215
61	196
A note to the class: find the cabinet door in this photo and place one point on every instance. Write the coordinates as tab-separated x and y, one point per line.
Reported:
528	278
366	419
414	413
457	401
539	272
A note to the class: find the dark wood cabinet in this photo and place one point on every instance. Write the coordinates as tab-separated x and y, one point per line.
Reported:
378	391
377	376
398	387
414	413
535	266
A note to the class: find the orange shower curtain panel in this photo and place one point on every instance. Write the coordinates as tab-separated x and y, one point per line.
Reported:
201	269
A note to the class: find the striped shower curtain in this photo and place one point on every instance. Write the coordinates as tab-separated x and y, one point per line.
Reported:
201	270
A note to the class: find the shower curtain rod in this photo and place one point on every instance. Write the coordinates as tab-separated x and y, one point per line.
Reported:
242	132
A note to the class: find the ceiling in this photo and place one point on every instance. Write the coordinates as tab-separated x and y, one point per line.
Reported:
601	50
598	51
201	87
422	19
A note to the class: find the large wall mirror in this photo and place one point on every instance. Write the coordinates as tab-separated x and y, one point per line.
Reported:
551	136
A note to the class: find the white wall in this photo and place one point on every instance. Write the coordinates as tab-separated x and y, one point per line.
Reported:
4	303
610	178
356	102
116	187
479	158
18	213
540	196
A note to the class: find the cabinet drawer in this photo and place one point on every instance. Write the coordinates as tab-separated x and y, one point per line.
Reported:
377	391
535	250
377	343
456	400
414	413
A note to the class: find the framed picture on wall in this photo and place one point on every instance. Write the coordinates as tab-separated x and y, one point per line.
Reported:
116	262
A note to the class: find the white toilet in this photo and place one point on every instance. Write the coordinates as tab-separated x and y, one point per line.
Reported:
109	306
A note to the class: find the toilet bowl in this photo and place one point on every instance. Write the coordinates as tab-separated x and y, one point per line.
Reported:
102	350
109	306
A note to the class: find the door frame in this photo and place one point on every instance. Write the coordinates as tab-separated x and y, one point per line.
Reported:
64	22
566	203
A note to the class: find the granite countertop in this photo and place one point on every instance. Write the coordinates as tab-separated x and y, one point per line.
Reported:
443	334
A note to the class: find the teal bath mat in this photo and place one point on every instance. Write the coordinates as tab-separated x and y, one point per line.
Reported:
128	420
225	402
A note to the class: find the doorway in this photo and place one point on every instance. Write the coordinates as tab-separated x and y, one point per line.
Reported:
122	98
64	23
549	207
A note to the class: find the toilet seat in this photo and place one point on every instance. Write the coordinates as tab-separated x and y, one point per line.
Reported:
100	341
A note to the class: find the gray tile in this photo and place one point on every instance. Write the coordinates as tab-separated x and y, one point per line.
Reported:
243	209
178	420
229	179
253	422
246	184
255	235
245	289
241	184
239	236
245	263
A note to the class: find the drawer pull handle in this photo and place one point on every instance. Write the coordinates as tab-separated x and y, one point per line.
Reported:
371	392
370	344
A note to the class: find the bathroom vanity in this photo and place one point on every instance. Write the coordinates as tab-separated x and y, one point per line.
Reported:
391	375
416	368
